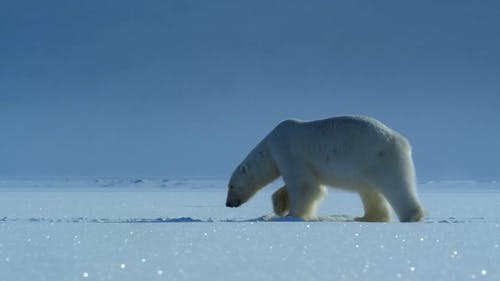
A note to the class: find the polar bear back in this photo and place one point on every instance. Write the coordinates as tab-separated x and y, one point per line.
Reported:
340	151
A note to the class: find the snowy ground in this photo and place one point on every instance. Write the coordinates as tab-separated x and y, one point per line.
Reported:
136	229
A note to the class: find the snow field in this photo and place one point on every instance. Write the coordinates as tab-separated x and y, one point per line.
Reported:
188	234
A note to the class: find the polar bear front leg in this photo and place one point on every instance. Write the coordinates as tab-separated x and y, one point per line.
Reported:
281	205
304	198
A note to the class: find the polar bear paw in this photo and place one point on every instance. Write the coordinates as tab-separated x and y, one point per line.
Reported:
373	219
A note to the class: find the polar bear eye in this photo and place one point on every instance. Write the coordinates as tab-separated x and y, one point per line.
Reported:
243	169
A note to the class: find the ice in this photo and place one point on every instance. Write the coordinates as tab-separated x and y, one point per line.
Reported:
78	229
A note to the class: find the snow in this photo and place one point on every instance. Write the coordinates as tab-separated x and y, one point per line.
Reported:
157	229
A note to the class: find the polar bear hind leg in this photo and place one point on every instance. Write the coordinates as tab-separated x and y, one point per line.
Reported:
376	207
401	193
395	179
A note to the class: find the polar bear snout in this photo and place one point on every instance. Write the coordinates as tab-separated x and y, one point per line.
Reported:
236	196
233	203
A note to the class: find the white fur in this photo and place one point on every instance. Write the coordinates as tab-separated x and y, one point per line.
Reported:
355	153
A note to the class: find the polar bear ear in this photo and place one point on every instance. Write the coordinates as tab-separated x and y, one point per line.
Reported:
243	169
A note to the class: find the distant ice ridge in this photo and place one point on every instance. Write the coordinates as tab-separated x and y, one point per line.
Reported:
109	182
460	186
266	218
203	183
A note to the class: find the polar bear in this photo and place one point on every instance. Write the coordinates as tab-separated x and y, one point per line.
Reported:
354	153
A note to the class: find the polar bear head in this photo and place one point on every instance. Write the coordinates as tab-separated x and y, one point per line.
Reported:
256	171
241	187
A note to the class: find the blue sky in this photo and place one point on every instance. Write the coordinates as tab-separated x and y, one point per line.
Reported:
187	88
